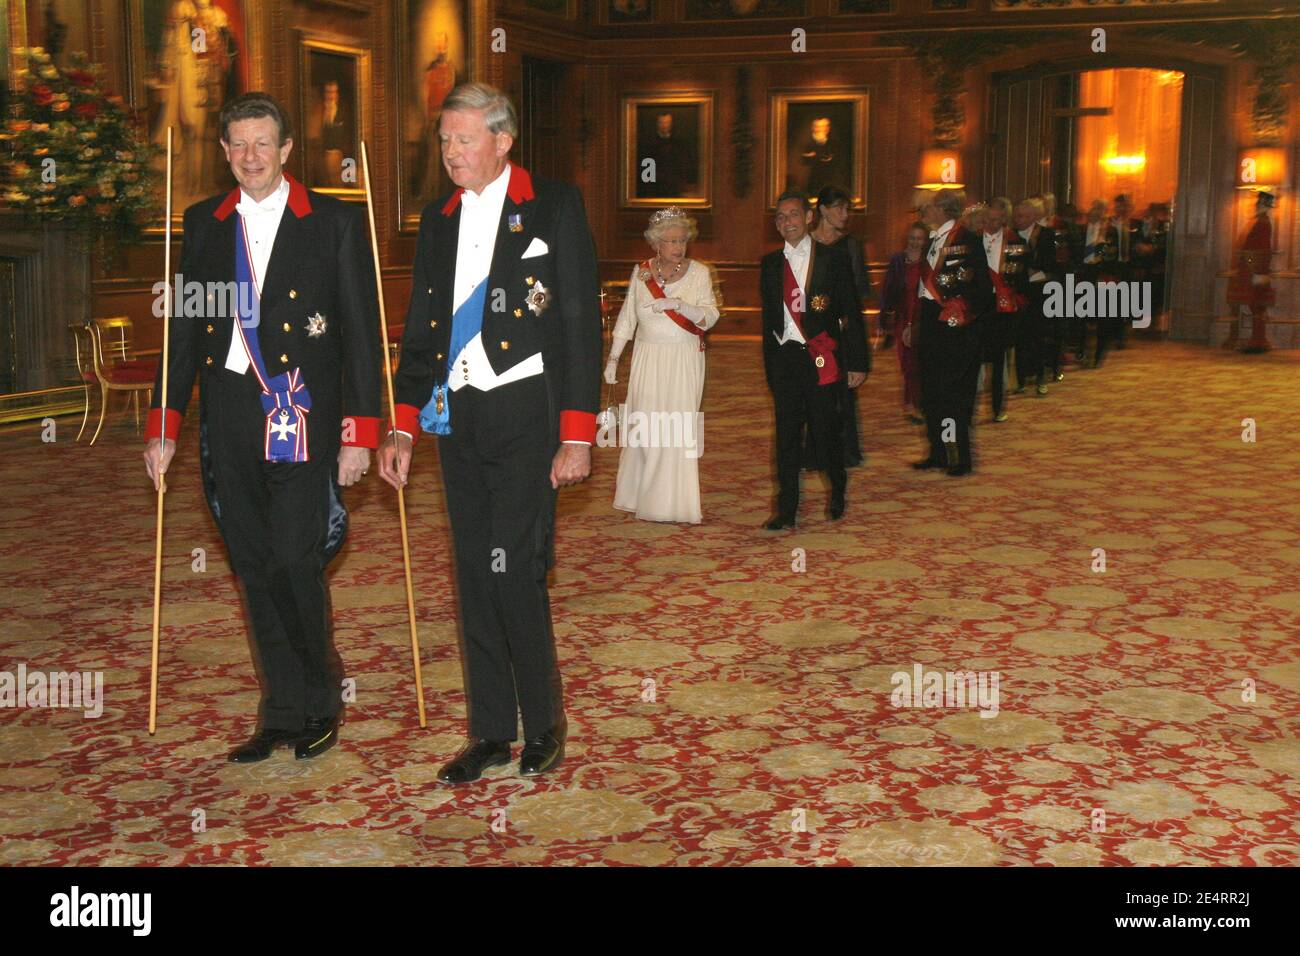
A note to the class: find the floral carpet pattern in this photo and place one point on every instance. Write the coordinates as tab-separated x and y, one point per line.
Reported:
728	694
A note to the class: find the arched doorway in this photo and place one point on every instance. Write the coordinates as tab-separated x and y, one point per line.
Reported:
1033	141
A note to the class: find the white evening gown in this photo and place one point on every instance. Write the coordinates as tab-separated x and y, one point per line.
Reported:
663	483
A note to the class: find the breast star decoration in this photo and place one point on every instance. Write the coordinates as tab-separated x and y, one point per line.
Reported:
539	297
315	325
820	302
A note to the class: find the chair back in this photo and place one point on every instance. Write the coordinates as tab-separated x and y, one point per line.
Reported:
112	337
83	349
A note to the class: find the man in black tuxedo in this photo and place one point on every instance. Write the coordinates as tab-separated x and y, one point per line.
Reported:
812	337
955	290
501	359
1126	233
1099	264
996	326
1036	346
299	335
1150	250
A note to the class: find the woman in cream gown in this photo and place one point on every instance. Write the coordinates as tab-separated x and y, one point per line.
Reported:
658	471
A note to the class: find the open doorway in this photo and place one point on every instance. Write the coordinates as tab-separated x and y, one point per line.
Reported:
1144	132
1124	164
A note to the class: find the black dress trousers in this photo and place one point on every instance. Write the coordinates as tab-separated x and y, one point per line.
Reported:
799	401
496	467
1033	340
996	331
948	358
281	522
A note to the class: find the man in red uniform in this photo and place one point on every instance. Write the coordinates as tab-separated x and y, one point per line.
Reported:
1250	285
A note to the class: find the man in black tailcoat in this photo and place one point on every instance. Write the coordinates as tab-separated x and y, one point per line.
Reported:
812	338
501	359
277	316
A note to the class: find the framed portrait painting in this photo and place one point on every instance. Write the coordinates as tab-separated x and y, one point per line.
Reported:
334	91
819	138
434	41
182	78
667	150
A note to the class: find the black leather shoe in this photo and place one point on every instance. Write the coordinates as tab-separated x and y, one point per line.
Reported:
262	745
541	754
836	510
779	522
318	735
475	757
956	471
925	463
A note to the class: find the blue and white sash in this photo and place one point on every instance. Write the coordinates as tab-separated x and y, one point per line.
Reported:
285	398
466	322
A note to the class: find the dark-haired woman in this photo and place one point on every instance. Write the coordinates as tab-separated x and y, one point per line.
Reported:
832	230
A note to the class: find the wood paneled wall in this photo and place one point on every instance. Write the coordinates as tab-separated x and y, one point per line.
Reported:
601	63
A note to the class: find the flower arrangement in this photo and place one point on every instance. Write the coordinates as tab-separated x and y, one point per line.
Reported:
74	153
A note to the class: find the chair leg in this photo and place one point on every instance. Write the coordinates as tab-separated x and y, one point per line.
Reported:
135	408
103	409
85	414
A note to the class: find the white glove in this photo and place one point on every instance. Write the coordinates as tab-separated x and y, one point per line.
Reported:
907	335
692	312
611	372
663	305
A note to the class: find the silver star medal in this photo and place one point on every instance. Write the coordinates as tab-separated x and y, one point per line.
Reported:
539	297
283	429
315	325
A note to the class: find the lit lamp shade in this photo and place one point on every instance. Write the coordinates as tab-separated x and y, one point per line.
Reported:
1261	167
940	169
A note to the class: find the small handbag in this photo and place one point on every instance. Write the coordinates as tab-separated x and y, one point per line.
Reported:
607	417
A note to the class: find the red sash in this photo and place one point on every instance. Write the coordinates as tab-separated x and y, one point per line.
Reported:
821	346
656	291
1009	300
952	311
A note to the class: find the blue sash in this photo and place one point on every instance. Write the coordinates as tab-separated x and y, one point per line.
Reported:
285	398
466	323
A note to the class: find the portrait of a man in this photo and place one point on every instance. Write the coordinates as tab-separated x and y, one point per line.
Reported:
333	78
818	139
666	153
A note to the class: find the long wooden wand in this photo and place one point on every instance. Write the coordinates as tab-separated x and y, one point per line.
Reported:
392	416
162	443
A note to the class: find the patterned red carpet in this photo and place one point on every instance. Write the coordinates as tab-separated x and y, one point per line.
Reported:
1126	729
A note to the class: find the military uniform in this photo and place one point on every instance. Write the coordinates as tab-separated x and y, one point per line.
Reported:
501	400
998	323
281	520
955	290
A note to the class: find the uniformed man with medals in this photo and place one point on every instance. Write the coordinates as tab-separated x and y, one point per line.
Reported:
501	360
812	338
284	338
954	289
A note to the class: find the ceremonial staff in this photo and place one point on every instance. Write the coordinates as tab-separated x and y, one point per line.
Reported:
162	441
392	417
